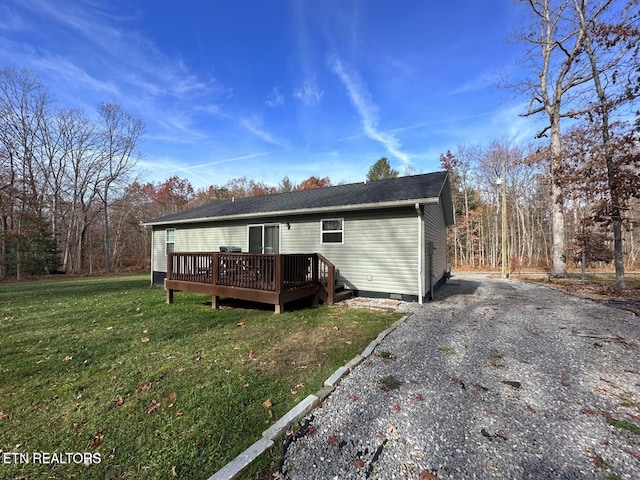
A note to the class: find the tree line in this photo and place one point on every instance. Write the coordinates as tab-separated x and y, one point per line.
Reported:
69	199
60	174
479	175
583	67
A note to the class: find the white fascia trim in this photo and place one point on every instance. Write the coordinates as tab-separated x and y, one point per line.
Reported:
303	211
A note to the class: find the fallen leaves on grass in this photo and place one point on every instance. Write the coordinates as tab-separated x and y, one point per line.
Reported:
144	388
3	415
144	339
98	440
171	396
119	401
153	408
267	404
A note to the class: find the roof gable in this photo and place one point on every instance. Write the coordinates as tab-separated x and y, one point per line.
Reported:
376	194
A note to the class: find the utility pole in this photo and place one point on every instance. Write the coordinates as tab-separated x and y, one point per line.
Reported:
505	272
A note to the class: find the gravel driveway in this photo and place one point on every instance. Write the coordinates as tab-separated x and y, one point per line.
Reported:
496	379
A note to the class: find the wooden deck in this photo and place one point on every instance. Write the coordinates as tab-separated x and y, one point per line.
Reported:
266	278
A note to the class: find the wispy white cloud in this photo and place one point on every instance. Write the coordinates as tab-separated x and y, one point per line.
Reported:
71	74
254	125
225	160
367	109
275	98
516	127
478	83
309	93
9	19
107	47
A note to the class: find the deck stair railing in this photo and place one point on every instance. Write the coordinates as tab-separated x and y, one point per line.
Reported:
326	278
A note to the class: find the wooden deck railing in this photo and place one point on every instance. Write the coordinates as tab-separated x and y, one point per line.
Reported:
276	273
266	278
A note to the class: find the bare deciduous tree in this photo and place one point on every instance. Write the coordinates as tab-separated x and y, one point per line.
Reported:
119	136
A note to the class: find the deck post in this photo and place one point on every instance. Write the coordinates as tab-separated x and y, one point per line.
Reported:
169	296
314	268
215	302
169	266
169	277
215	267
279	281
279	278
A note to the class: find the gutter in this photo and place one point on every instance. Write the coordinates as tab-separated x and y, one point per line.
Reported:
302	211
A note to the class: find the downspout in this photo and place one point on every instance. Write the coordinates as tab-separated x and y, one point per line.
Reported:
420	253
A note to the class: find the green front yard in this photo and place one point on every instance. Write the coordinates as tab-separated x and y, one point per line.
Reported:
104	370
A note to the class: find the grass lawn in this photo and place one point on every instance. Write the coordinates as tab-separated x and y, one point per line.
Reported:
103	366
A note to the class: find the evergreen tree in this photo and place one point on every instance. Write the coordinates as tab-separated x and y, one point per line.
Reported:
380	170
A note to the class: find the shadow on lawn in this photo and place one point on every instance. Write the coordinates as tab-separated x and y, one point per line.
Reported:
237	304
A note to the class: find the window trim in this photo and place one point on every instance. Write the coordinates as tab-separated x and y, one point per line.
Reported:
323	231
167	242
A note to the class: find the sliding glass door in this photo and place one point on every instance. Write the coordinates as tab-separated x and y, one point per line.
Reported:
264	238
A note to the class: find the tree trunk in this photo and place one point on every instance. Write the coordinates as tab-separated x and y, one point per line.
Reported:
107	246
558	253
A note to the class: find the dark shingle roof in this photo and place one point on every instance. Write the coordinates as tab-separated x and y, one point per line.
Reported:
389	191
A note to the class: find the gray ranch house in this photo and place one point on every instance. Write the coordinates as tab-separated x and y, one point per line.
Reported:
385	238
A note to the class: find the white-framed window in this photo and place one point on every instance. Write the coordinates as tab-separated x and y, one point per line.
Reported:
332	230
170	240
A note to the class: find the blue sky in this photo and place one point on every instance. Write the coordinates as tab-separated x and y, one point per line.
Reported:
264	89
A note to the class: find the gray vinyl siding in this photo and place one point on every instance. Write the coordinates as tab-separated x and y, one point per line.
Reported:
379	252
158	257
204	238
198	238
435	230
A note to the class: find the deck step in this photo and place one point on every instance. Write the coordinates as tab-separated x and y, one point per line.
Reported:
342	295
